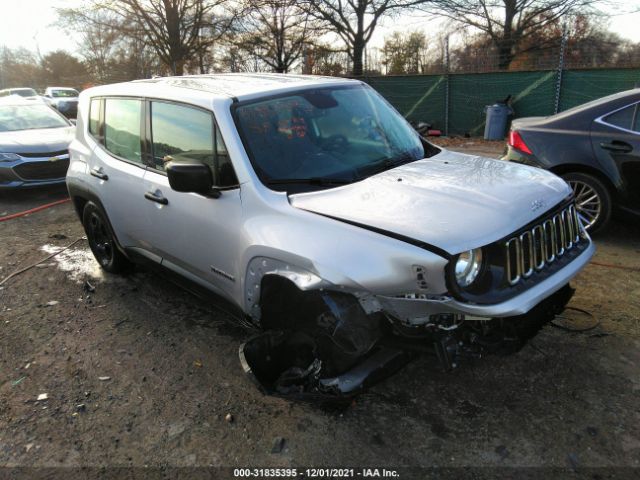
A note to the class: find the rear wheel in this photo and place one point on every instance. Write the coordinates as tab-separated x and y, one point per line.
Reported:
593	200
101	240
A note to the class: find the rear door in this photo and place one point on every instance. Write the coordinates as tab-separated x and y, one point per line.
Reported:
196	235
116	166
616	143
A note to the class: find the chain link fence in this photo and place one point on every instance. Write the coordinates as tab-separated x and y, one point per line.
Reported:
454	103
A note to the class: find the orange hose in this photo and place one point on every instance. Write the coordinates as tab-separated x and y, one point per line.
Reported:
609	265
33	210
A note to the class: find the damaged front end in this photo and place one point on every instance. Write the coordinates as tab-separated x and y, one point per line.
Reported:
318	344
321	345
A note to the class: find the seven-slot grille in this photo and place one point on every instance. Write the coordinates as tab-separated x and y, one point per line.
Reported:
542	244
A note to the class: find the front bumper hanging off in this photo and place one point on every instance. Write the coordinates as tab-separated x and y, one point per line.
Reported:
287	364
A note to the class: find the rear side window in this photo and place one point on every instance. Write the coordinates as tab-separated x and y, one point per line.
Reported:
94	117
185	134
122	128
626	118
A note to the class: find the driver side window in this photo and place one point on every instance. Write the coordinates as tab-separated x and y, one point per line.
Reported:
181	133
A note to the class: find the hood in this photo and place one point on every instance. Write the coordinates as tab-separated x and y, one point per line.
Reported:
42	140
452	201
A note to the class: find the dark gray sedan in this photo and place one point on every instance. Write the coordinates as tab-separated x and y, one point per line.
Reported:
34	143
595	147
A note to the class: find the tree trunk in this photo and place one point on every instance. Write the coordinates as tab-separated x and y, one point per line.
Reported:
358	52
506	44
505	54
178	67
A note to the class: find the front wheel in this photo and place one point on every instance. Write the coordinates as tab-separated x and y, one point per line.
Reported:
593	200
101	240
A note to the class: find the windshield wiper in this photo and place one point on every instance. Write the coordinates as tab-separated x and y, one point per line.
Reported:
309	181
387	164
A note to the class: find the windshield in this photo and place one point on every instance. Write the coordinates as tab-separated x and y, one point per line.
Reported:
64	93
325	136
24	92
29	117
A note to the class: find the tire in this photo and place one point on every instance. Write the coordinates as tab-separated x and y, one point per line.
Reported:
593	200
102	241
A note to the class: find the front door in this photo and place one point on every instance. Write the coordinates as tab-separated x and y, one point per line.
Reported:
195	235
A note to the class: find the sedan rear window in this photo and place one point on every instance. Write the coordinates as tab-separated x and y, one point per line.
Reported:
29	117
625	118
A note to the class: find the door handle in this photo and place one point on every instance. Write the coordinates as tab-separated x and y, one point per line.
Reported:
156	198
97	172
617	146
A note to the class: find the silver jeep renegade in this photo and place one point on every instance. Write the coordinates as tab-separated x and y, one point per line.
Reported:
315	208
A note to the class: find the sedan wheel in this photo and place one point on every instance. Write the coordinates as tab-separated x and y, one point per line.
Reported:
593	201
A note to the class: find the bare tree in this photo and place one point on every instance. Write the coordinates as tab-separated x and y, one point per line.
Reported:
321	59
62	68
354	21
508	23
229	57
405	53
19	67
176	30
277	32
99	39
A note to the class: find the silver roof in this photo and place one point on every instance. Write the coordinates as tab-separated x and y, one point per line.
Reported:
243	84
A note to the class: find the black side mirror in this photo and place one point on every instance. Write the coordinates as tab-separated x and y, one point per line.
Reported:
191	177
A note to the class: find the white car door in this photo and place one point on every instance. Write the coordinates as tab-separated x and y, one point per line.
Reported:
117	168
195	235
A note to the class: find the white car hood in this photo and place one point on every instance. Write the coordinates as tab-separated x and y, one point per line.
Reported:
39	140
452	201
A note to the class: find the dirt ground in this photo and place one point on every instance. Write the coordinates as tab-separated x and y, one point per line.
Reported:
140	373
475	145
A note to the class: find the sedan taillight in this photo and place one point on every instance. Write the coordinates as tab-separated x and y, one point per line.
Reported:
515	141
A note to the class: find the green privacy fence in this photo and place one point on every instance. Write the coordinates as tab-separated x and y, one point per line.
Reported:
455	102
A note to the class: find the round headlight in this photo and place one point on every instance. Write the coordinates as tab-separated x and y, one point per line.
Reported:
468	266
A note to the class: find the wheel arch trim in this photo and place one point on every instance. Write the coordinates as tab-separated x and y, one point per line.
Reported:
80	193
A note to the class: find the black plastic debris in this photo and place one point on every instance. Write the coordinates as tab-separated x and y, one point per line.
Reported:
278	445
287	364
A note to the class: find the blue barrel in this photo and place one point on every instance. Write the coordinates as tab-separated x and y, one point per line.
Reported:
497	121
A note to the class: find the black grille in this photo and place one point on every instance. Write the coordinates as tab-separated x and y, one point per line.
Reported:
42	170
44	154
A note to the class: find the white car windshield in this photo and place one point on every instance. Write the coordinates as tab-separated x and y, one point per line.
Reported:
325	136
24	92
29	117
66	93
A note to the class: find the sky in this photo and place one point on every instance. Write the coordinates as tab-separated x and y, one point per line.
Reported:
31	24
